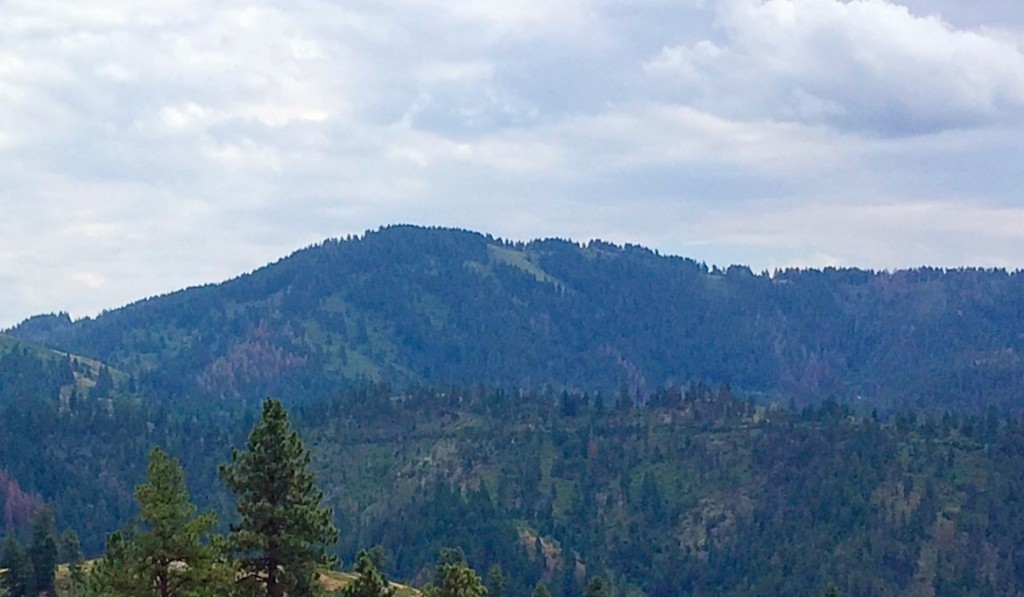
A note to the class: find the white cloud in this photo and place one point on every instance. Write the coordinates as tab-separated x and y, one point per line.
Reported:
878	235
643	135
862	64
146	146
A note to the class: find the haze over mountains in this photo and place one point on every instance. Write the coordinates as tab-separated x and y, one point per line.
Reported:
408	304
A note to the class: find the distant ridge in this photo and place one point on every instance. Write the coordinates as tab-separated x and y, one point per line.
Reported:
408	304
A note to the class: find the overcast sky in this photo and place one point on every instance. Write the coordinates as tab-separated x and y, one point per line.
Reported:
147	146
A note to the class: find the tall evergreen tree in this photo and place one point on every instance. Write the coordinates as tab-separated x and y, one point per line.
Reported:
174	556
70	553
495	581
43	551
19	580
282	533
454	577
169	555
116	573
369	581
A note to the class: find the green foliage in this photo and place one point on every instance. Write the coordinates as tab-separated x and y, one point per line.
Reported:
70	553
170	554
454	578
173	546
667	490
412	305
695	491
281	536
20	578
541	590
43	551
598	587
369	582
116	574
495	581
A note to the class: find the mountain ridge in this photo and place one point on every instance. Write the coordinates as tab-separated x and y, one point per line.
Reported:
408	304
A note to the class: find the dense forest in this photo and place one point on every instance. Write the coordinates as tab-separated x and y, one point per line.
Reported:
557	415
415	305
697	490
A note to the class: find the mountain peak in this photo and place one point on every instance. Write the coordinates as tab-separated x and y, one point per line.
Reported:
411	304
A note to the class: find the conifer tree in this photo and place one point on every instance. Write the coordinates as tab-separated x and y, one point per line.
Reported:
369	581
174	556
116	573
43	551
282	533
541	590
169	555
70	549
495	581
454	578
19	579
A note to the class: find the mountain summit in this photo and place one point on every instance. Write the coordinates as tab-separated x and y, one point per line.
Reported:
408	304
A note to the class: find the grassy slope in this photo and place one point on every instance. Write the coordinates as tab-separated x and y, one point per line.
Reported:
332	581
8	343
336	581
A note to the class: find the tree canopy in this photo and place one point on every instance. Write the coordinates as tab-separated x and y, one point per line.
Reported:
282	532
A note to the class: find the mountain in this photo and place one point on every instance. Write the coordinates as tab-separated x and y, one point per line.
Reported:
697	492
432	374
410	305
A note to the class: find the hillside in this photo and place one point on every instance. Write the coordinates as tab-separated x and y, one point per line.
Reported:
699	491
20	352
408	305
562	410
331	581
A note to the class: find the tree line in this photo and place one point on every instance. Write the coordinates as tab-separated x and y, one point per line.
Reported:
414	305
694	490
277	546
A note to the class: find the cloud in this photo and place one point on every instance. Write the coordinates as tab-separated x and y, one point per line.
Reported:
863	65
149	146
879	235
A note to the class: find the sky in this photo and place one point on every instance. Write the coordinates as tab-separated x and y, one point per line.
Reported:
149	146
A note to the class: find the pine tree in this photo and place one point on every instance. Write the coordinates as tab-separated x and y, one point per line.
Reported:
174	556
19	580
104	384
495	581
43	551
281	537
70	549
454	578
541	590
369	582
168	555
116	573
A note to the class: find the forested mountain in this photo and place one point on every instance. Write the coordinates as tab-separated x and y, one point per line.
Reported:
698	491
74	434
563	412
408	304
